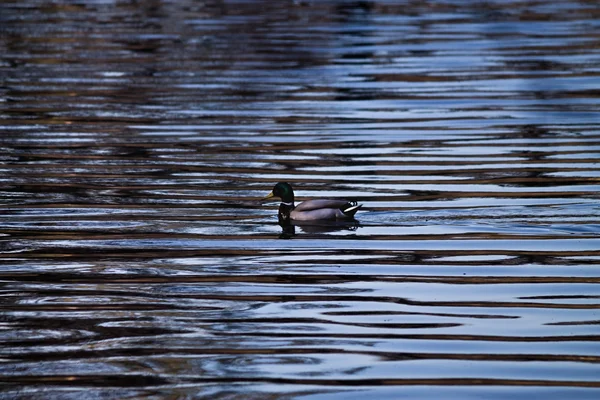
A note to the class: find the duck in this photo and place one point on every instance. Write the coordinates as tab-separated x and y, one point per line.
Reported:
311	210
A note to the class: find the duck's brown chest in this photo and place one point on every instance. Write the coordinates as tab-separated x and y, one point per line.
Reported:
285	210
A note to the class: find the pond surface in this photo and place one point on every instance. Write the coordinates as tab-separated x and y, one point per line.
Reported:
138	260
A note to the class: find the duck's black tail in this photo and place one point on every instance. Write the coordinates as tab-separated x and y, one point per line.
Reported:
351	208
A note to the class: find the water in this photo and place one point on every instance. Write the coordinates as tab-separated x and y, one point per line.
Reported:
137	139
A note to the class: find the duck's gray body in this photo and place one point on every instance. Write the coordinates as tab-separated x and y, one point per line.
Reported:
312	210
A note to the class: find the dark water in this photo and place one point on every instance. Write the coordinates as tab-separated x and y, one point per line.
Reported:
137	139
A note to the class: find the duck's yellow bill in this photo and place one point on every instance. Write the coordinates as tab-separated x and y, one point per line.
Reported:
269	196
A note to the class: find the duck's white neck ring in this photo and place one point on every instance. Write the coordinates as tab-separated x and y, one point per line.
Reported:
287	204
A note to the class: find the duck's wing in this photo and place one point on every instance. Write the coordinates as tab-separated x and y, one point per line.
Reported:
316	214
309	205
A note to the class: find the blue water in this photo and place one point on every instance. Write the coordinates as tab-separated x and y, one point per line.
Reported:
137	259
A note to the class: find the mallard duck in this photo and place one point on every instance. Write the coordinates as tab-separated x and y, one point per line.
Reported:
311	210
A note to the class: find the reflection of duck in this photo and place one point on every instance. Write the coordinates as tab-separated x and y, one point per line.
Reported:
327	226
316	227
311	210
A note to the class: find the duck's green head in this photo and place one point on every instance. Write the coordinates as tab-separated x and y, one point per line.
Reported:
284	191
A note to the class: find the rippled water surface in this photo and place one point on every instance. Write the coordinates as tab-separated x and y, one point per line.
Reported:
138	260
